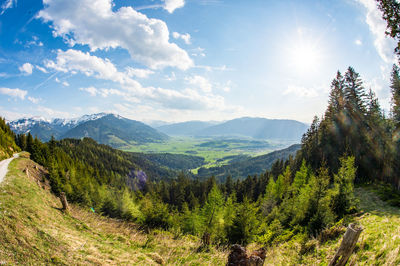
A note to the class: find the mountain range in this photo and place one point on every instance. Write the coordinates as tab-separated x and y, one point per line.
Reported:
253	127
120	132
104	128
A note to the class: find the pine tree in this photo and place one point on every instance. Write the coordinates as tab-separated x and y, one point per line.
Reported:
391	13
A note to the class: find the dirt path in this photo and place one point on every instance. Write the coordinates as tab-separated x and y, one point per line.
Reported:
4	166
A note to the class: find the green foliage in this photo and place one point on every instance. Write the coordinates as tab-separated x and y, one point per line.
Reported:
391	13
7	141
343	198
245	224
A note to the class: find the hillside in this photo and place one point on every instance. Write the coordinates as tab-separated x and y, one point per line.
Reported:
248	166
173	161
259	128
34	230
7	141
379	243
105	159
116	131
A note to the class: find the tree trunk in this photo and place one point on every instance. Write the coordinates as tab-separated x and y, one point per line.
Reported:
64	202
347	246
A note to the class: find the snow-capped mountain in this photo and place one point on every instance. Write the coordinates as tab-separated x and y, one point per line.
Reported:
105	128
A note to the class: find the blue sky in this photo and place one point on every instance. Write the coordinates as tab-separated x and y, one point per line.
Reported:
178	60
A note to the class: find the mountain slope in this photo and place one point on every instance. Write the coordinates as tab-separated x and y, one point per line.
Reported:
250	166
260	128
44	128
105	128
188	128
104	159
34	231
116	131
7	141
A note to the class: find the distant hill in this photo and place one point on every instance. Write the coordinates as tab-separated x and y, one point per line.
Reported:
116	131
248	166
259	128
189	128
110	129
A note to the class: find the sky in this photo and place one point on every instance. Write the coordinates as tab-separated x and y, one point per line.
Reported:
180	60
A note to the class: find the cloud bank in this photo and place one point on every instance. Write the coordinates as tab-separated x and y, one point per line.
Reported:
94	23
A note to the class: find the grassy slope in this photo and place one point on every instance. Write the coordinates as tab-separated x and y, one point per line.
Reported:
379	243
33	230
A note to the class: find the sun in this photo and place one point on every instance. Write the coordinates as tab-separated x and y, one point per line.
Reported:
304	57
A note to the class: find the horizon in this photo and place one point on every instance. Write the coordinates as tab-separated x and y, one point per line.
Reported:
202	60
148	122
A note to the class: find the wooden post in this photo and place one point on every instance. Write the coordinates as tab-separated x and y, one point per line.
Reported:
64	202
26	170
347	246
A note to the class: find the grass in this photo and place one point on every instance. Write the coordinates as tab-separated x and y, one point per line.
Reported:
379	243
33	230
213	150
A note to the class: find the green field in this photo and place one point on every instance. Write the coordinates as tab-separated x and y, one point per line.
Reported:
215	151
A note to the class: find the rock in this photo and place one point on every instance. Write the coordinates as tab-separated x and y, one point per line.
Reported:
239	257
157	258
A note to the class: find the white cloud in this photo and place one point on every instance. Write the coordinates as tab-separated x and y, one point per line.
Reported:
383	44
64	83
15	93
227	86
200	82
7	4
35	41
300	91
171	77
214	68
138	72
103	92
94	23
171	5
358	42
26	68
185	37
33	99
91	90
41	69
92	66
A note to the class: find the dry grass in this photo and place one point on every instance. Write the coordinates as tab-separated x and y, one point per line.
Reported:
33	230
379	243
